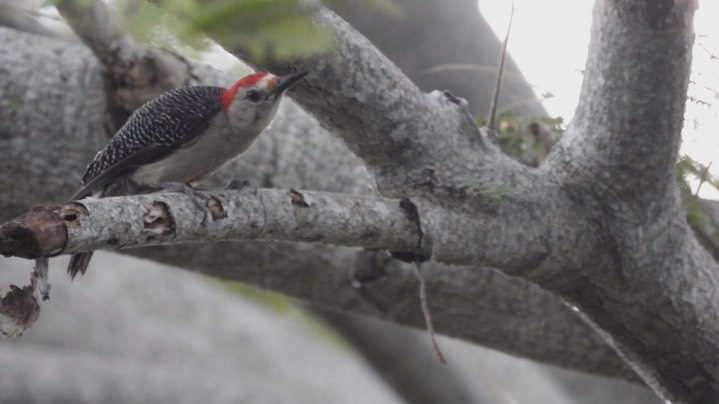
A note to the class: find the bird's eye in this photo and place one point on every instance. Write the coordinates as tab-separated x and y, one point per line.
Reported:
253	95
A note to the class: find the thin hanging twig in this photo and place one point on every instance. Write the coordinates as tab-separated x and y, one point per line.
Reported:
427	315
492	119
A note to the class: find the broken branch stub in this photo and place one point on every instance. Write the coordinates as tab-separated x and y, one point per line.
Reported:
39	232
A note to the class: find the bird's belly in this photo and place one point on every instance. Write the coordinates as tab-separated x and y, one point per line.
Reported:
194	163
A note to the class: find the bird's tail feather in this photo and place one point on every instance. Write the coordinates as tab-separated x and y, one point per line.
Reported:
78	263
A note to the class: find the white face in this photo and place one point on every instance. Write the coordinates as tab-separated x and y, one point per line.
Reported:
254	105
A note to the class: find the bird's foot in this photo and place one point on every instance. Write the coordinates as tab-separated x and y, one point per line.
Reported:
203	198
237	184
199	197
244	185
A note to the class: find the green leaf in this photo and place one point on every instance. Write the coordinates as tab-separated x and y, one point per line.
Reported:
516	140
279	29
265	28
686	167
150	24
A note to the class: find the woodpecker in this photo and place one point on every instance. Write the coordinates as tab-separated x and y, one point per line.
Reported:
180	138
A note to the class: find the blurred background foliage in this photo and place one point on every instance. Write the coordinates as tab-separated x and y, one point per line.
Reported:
279	29
528	139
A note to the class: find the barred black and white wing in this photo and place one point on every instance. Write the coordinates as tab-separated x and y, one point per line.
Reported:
161	126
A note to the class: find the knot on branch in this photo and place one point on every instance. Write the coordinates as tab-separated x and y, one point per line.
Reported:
412	213
658	12
158	221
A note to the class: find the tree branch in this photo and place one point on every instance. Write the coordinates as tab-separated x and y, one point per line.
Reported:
649	281
629	123
14	15
171	218
137	73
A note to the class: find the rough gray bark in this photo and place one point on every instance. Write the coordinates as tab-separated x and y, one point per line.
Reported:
260	214
618	160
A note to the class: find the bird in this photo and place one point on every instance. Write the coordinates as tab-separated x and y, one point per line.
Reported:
178	139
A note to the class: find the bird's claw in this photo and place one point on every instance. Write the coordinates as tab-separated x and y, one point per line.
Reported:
238	185
198	198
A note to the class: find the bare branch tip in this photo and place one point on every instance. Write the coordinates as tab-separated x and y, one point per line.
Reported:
492	119
427	315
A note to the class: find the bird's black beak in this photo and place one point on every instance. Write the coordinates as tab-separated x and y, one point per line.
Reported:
286	81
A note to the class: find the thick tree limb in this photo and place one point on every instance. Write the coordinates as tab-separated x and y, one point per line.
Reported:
652	283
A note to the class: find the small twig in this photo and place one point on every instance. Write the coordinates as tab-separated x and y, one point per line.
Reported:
41	277
426	313
492	119
702	179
